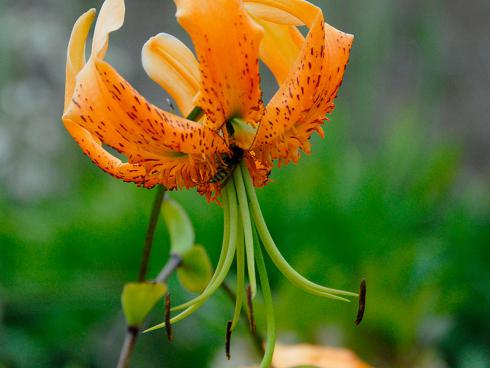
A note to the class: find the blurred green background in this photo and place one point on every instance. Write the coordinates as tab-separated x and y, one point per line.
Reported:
397	193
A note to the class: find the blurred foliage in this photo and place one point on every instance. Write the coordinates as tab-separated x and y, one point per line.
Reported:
388	196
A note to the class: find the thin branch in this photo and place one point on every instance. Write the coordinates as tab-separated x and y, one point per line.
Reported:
132	332
170	267
155	213
172	264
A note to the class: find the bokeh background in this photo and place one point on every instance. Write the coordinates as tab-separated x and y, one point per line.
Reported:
397	193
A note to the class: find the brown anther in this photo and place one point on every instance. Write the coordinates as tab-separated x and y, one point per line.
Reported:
228	340
362	302
168	325
251	318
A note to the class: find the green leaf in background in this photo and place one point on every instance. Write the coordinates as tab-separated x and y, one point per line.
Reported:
196	270
179	227
138	299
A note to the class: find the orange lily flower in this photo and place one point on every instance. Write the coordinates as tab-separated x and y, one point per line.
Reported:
287	356
102	109
228	141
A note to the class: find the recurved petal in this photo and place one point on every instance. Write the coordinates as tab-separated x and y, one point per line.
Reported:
227	44
271	14
173	151
111	18
298	109
173	66
99	156
288	12
75	58
280	48
161	148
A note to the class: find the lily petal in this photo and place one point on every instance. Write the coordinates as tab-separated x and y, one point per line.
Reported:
271	14
289	12
298	109
161	148
75	58
227	43
173	66
110	19
280	48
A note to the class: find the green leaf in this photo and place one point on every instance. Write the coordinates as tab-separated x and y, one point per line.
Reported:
138	299
196	270
179	226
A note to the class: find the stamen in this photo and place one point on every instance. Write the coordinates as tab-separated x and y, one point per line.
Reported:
362	302
240	275
222	257
269	309
168	325
247	228
228	340
291	274
251	317
196	303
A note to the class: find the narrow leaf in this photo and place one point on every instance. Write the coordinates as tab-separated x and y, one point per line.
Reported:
179	226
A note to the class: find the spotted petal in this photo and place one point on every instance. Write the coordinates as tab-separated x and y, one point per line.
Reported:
227	44
104	109
280	48
173	66
298	109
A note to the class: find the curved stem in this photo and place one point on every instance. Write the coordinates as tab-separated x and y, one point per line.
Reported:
247	229
212	287
291	274
269	310
222	257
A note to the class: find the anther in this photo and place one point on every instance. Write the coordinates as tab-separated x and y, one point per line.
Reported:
228	340
251	318
168	325
362	302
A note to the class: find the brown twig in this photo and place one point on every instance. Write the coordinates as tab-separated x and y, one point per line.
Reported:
150	233
132	332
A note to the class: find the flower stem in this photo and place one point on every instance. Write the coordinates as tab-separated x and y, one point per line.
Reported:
155	213
291	274
269	310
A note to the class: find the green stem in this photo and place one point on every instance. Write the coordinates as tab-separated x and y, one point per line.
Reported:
269	310
290	273
195	114
247	229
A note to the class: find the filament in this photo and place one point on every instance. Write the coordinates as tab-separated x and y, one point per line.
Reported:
290	273
247	229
